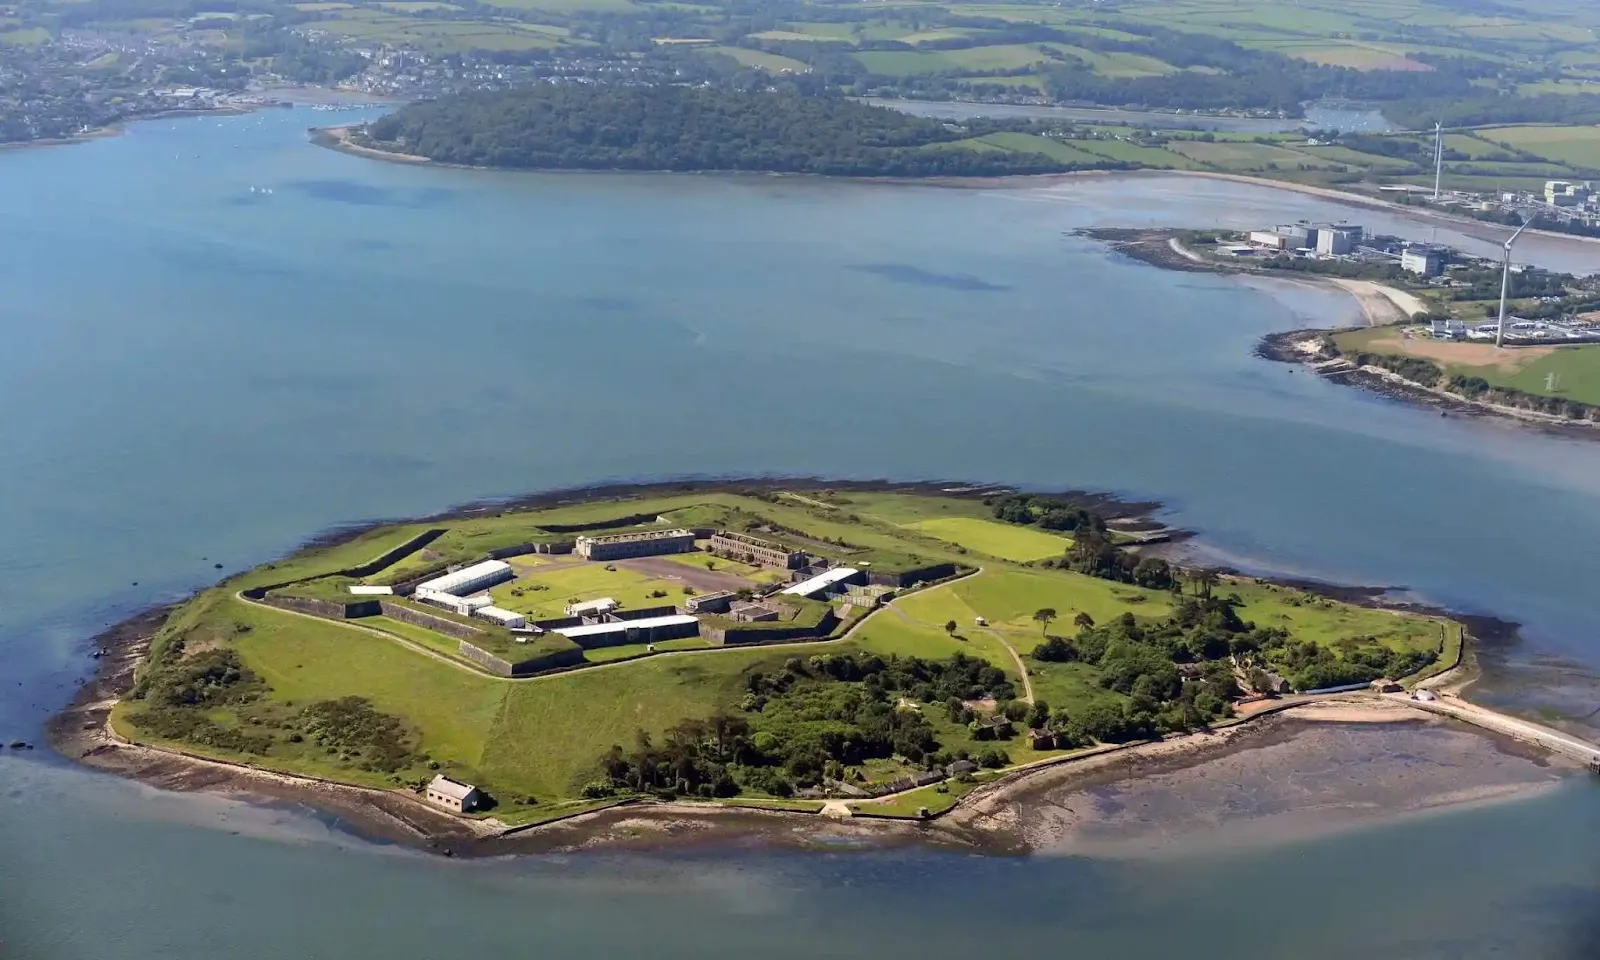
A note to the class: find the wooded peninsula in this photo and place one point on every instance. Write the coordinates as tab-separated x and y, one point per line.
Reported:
684	129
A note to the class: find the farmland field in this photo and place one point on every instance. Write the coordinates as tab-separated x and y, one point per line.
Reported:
1577	146
1240	156
770	62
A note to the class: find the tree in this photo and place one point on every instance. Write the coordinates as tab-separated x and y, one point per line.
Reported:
950	627
1044	615
1204	579
1083	621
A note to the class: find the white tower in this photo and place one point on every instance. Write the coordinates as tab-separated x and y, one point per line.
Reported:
1505	284
1438	157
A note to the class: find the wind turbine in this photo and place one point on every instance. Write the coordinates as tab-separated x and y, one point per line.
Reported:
1438	157
1505	283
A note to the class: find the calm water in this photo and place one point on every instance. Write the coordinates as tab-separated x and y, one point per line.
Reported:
196	373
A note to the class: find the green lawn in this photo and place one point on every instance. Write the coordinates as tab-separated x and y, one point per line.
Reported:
1577	370
1032	143
1008	541
566	583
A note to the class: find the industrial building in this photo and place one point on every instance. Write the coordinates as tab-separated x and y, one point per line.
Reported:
1337	241
825	582
746	549
1424	260
467	580
597	607
505	618
460	606
1269	239
648	543
646	630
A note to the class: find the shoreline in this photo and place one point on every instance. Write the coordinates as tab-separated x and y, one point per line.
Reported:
82	731
336	138
1380	305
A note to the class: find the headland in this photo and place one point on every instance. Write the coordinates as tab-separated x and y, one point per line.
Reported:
770	656
1431	331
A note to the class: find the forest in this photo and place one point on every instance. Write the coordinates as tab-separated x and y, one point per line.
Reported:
606	127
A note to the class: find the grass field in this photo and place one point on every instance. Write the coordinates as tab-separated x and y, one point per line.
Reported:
1577	369
1126	152
1240	156
571	582
1575	146
1007	541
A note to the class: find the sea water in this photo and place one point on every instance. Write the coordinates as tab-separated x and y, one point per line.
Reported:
198	373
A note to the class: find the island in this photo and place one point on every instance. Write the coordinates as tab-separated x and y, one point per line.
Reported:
1432	331
769	646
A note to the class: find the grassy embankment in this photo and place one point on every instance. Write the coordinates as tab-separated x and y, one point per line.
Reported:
534	743
1576	370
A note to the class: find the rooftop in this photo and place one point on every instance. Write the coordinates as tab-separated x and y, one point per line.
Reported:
599	629
641	535
450	581
821	581
454	789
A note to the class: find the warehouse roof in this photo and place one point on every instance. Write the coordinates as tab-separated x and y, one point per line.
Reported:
618	626
451	581
820	582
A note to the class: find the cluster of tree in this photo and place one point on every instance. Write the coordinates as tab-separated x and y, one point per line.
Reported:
1051	513
1483	283
1336	268
794	727
1092	554
593	126
1141	661
1477	111
1312	666
1415	369
1477	388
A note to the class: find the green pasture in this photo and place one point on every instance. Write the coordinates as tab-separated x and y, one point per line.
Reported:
1123	151
1008	541
1240	156
1573	146
564	583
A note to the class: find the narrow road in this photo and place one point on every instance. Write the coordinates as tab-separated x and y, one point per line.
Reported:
1554	740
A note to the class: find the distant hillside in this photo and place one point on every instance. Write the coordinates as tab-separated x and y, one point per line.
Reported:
591	127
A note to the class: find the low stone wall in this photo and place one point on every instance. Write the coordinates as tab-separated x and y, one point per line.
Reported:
330	609
644	613
523	668
934	571
419	618
775	633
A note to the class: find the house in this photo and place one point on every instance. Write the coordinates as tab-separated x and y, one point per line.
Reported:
747	549
961	768
452	795
621	546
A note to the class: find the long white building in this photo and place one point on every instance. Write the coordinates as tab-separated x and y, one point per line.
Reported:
469	579
821	583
